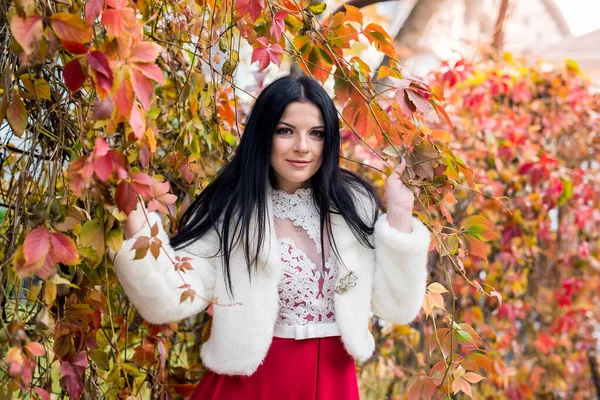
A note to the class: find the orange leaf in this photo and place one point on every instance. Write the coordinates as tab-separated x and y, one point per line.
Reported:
70	27
359	116
63	249
155	247
27	31
137	121
441	135
472	377
480	227
476	247
319	62
382	40
142	87
114	22
124	97
465	387
437	287
35	348
144	52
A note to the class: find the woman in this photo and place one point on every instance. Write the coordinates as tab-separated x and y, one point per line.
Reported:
296	251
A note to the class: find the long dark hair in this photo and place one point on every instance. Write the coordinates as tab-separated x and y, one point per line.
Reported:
240	188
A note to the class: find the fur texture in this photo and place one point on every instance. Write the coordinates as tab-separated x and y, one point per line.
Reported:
391	283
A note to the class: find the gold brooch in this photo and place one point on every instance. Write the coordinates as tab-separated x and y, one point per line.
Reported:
346	283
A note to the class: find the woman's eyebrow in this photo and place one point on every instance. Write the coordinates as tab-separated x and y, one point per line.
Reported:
292	126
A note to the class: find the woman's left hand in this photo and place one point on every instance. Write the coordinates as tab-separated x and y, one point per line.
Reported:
400	200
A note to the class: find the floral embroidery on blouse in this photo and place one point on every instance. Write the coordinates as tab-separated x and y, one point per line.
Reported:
305	291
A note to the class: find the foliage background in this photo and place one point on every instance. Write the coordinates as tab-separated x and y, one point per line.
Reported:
104	101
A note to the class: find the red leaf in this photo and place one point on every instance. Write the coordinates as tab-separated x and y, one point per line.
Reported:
103	108
74	47
278	25
70	378
100	71
37	245
63	249
143	184
103	167
70	27
80	363
119	164
151	71
254	7
73	75
142	87
154	205
48	269
42	393
125	197
117	3
266	53
137	121
93	9
27	31
144	52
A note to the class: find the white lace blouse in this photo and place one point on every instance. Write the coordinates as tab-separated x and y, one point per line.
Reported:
307	287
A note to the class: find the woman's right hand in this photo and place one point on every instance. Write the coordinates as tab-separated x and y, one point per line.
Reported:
135	221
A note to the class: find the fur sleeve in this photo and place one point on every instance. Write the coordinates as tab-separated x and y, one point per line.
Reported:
400	271
153	285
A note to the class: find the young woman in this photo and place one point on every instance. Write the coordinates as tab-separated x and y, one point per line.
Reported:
297	251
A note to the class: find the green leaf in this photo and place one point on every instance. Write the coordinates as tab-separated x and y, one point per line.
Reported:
114	239
316	7
100	358
567	191
92	234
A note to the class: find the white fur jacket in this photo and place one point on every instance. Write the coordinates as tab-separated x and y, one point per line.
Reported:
391	283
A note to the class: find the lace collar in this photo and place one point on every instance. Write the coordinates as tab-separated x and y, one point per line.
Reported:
300	208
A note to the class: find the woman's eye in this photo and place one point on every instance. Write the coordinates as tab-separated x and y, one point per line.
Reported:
318	133
283	131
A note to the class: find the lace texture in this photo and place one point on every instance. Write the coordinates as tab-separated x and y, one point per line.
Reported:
305	294
300	208
306	289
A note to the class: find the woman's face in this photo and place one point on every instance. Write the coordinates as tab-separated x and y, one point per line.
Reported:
296	153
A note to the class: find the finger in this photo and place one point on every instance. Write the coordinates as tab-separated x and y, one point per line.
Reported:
401	167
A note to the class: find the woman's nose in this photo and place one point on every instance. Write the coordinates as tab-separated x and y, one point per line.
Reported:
301	144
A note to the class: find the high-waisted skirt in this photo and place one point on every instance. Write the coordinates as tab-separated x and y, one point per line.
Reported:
309	369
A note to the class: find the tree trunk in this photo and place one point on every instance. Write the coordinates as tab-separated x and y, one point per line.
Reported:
498	40
412	29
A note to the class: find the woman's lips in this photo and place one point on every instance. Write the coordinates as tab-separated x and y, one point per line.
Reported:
299	164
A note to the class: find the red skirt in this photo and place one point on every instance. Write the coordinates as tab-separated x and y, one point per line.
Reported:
310	369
